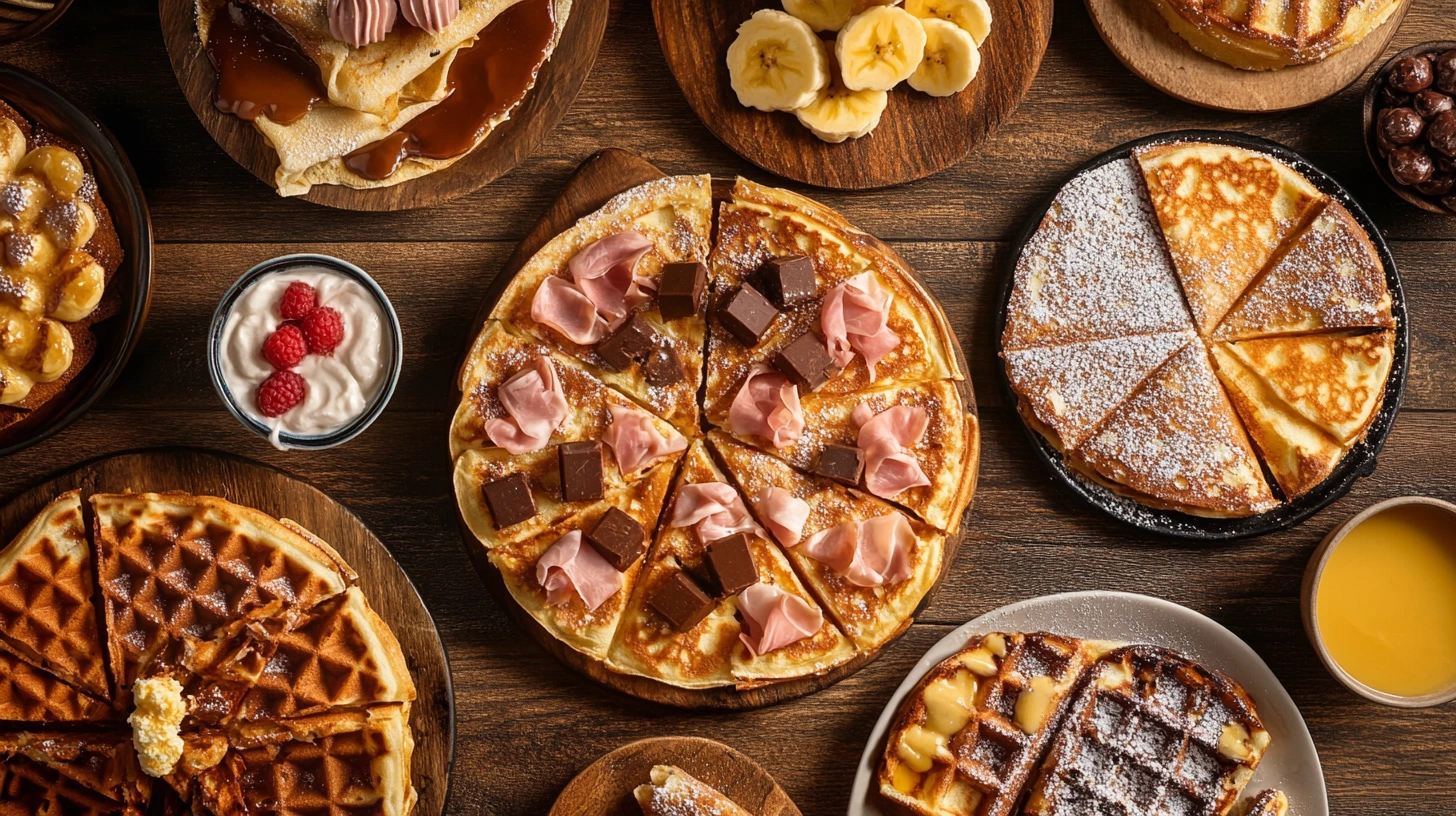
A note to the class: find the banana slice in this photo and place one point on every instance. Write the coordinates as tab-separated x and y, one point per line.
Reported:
879	49
951	59
838	113
776	63
822	15
972	15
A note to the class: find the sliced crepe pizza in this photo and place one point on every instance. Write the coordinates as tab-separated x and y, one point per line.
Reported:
568	587
868	562
681	628
581	292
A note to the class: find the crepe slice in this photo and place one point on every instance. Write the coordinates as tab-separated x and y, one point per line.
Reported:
175	569
587	630
1225	213
870	609
672	791
712	652
674	214
93	772
1096	268
32	695
46	610
1297	452
1335	381
1201	465
1331	278
1066	391
762	223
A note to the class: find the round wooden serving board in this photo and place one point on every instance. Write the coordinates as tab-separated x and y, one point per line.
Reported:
389	590
605	787
603	175
918	135
556	88
1141	38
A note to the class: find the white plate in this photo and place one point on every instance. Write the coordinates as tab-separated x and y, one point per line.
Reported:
1292	764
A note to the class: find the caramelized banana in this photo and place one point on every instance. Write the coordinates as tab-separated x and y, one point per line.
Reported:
80	281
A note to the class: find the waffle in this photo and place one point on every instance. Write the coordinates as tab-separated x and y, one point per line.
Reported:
1266	803
1264	35
671	791
971	733
102	763
1150	732
28	694
30	789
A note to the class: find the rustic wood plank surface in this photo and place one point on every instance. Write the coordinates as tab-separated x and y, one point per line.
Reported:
526	727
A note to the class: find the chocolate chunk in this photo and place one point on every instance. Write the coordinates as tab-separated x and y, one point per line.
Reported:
842	463
788	281
663	368
1411	74
806	362
682	602
619	538
731	561
681	289
510	500
746	314
1400	126
581	470
628	344
1411	165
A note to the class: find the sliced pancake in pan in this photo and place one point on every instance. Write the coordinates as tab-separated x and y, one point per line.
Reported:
876	594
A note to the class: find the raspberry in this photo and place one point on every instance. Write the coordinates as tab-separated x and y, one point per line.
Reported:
324	328
286	347
281	392
298	300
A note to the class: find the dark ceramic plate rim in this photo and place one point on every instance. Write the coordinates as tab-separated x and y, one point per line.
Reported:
1358	463
104	151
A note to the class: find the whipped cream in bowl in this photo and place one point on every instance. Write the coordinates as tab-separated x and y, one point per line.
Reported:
344	387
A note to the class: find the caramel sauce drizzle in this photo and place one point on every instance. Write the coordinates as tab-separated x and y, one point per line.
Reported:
261	71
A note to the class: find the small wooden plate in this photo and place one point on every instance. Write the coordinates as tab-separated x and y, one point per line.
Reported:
600	177
1367	112
919	135
389	590
1141	38
556	88
605	787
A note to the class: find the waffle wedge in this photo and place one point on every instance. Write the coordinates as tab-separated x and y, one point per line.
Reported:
671	791
28	788
32	695
102	763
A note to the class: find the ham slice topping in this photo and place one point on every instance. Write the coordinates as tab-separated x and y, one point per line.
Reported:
714	509
870	553
536	404
768	406
772	618
603	290
886	437
855	318
572	568
635	440
783	514
567	309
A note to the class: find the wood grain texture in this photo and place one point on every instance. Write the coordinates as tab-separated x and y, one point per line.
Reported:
1141	38
605	787
389	590
918	134
556	87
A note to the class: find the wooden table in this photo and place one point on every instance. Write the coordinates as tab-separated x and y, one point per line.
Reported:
526	726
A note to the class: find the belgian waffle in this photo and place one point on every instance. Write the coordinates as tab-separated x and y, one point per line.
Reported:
28	694
28	788
973	730
102	763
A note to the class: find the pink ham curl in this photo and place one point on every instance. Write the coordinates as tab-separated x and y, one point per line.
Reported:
536	405
567	309
768	406
772	618
870	553
714	509
855	318
886	437
571	568
635	440
783	514
605	271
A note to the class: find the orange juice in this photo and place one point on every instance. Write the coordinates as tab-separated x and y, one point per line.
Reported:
1386	607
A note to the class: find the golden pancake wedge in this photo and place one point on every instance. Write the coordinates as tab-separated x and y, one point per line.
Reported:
1335	381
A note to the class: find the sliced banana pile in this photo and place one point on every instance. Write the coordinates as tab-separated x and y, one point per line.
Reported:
839	89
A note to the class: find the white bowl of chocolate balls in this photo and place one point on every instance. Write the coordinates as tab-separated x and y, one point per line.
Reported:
1410	125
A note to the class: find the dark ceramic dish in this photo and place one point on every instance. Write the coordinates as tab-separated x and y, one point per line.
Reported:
1358	462
1368	113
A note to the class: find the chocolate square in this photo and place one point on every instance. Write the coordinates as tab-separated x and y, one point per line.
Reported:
788	281
663	368
682	602
746	314
619	538
510	501
630	343
806	362
581	470
731	562
681	289
842	463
